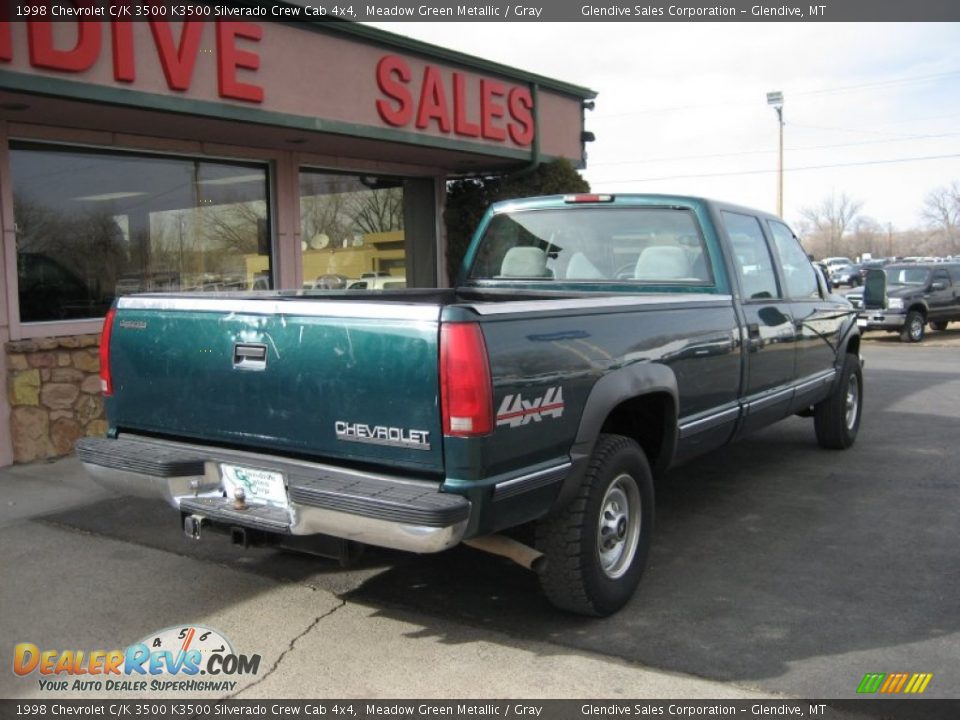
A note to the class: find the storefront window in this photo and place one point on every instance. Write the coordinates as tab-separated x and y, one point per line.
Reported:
352	232
92	225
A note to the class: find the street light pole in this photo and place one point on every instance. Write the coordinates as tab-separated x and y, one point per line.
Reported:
775	100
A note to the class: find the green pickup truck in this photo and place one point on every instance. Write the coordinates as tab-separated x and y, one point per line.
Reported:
591	343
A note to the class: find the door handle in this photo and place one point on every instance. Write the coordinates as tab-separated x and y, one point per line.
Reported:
250	356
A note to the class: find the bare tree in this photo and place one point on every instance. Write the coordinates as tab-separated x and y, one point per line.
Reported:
87	243
39	228
829	220
941	211
341	211
233	227
869	236
378	210
324	214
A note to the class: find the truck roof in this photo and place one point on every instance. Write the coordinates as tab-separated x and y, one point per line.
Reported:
620	199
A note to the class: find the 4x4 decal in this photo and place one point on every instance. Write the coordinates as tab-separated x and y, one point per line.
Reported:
515	411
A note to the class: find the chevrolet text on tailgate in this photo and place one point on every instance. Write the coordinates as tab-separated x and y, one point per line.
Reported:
591	343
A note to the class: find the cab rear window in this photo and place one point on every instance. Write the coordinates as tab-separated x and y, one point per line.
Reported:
594	245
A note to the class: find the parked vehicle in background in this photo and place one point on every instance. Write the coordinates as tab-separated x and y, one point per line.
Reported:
379	282
261	281
591	343
152	282
833	263
845	275
367	281
915	294
328	282
824	272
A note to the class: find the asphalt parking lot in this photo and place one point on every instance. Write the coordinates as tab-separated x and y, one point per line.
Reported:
776	566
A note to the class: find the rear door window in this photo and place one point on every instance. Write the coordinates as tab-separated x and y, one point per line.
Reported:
798	272
941	276
752	257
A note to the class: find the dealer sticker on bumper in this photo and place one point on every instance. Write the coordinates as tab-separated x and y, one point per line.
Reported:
264	486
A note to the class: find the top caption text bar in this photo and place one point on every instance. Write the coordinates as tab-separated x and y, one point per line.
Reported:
555	11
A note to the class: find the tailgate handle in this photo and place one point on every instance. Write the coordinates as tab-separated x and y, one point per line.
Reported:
250	356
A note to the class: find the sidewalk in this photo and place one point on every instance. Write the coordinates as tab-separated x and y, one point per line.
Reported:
67	590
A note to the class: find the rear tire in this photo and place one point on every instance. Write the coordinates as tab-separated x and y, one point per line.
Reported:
939	325
836	420
597	546
913	327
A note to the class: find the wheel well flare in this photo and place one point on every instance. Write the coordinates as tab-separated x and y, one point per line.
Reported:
650	420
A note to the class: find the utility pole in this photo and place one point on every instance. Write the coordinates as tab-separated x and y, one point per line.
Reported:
775	100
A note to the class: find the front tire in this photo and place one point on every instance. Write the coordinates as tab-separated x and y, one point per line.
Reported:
913	327
597	546
836	420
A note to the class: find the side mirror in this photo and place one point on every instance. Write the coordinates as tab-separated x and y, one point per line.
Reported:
875	290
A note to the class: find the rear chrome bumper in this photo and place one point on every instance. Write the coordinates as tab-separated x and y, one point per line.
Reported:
321	499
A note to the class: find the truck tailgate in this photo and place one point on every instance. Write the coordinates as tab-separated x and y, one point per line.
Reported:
331	377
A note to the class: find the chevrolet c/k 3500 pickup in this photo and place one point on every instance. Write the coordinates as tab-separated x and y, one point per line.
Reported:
591	342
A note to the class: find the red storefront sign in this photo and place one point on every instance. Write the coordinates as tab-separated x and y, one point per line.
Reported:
177	55
434	99
440	99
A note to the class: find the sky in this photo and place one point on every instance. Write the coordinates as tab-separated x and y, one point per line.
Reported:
871	110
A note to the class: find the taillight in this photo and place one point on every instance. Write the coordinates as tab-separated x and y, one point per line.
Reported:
106	383
465	391
587	198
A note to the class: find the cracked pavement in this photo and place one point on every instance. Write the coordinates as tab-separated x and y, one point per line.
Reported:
70	589
245	692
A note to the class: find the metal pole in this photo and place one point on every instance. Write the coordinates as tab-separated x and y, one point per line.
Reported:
780	165
775	100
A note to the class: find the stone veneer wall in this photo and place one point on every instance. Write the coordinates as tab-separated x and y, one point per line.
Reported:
54	393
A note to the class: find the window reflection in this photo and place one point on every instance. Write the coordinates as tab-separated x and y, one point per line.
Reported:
92	225
352	232
758	280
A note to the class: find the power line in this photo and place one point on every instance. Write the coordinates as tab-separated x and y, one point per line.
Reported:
880	83
768	152
925	118
857	131
801	93
764	172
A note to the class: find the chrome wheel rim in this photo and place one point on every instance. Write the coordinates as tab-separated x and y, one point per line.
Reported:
916	328
853	401
618	531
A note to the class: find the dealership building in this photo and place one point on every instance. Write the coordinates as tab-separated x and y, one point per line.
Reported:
228	156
